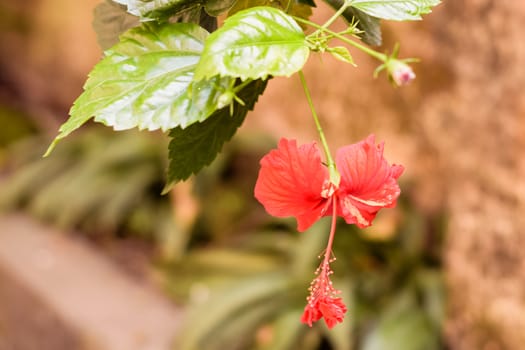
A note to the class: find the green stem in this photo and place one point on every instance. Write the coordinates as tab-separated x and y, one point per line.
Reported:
338	13
329	159
378	55
241	85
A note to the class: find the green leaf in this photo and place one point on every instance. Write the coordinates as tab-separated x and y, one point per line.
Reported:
111	20
341	53
145	81
158	9
252	44
398	10
197	146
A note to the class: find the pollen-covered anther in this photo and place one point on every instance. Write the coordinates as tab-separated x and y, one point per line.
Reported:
328	189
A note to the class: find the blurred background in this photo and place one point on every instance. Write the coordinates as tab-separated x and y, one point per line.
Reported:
93	257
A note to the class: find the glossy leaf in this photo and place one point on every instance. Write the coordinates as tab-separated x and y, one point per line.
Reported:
252	44
110	20
145	81
197	146
398	10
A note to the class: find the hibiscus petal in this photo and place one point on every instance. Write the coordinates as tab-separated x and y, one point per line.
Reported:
333	310
291	181
310	315
368	182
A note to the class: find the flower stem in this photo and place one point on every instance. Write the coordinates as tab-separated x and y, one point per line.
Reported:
328	251
329	159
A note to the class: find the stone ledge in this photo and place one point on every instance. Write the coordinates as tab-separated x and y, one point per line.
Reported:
98	303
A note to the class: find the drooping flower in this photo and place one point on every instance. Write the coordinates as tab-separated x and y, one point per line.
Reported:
293	181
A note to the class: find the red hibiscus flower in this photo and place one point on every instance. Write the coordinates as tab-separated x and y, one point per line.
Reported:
293	181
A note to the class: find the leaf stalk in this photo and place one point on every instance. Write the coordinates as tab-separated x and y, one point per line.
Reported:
377	55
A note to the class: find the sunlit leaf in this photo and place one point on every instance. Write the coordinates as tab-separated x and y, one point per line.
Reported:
398	10
252	44
145	81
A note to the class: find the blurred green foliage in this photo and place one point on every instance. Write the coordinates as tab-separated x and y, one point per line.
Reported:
249	292
242	274
245	280
15	125
99	183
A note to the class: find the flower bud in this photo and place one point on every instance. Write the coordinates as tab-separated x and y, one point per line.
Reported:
400	72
